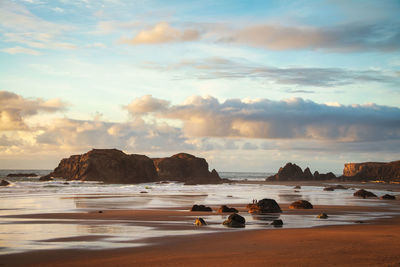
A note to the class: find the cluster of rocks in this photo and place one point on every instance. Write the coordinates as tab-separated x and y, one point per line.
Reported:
114	166
292	172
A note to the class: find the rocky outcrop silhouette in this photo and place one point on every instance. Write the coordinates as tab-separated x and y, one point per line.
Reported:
186	168
106	165
370	171
292	172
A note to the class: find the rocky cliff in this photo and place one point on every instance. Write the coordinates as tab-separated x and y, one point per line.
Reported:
372	171
186	168
107	165
292	172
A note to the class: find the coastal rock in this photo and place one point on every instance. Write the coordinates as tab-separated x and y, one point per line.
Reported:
277	223
4	183
301	204
339	187
297	187
186	168
200	208
106	165
265	205
364	193
370	171
292	172
322	216
235	220
307	175
388	197
22	175
225	208
45	178
330	188
200	222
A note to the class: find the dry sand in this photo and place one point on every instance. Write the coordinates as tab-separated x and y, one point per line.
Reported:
373	244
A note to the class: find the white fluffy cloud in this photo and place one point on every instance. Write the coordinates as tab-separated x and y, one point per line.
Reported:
288	119
14	108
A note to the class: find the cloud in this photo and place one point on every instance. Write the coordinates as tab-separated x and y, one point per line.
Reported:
219	68
14	108
293	118
340	38
21	50
147	104
162	33
21	26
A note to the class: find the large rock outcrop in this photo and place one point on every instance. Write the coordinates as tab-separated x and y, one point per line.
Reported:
107	165
186	168
292	172
369	171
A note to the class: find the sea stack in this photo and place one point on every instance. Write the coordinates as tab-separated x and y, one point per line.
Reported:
106	165
186	168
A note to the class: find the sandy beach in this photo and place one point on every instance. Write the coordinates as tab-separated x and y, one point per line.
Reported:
365	243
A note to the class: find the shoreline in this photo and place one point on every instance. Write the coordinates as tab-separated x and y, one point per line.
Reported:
371	243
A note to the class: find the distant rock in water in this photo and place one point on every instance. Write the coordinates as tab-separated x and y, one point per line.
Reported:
200	222
200	208
292	172
265	205
388	197
301	204
106	165
364	194
22	175
225	208
370	171
186	168
4	183
235	220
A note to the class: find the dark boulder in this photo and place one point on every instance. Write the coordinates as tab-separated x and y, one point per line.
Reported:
225	208
200	208
235	220
330	188
301	204
106	165
265	205
45	178
322	216
364	194
186	168
200	222
290	172
4	183
297	187
388	197
277	223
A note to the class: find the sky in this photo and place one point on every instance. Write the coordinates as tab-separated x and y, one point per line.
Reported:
248	85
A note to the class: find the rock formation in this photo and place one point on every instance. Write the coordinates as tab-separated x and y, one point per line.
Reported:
369	171
225	208
265	205
107	165
200	208
364	194
186	168
277	223
235	220
4	183
388	197
322	216
301	204
200	222
292	172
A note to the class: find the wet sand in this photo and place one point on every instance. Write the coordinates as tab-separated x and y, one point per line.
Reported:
372	243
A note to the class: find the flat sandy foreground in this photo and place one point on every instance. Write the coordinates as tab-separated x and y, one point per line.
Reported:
375	243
